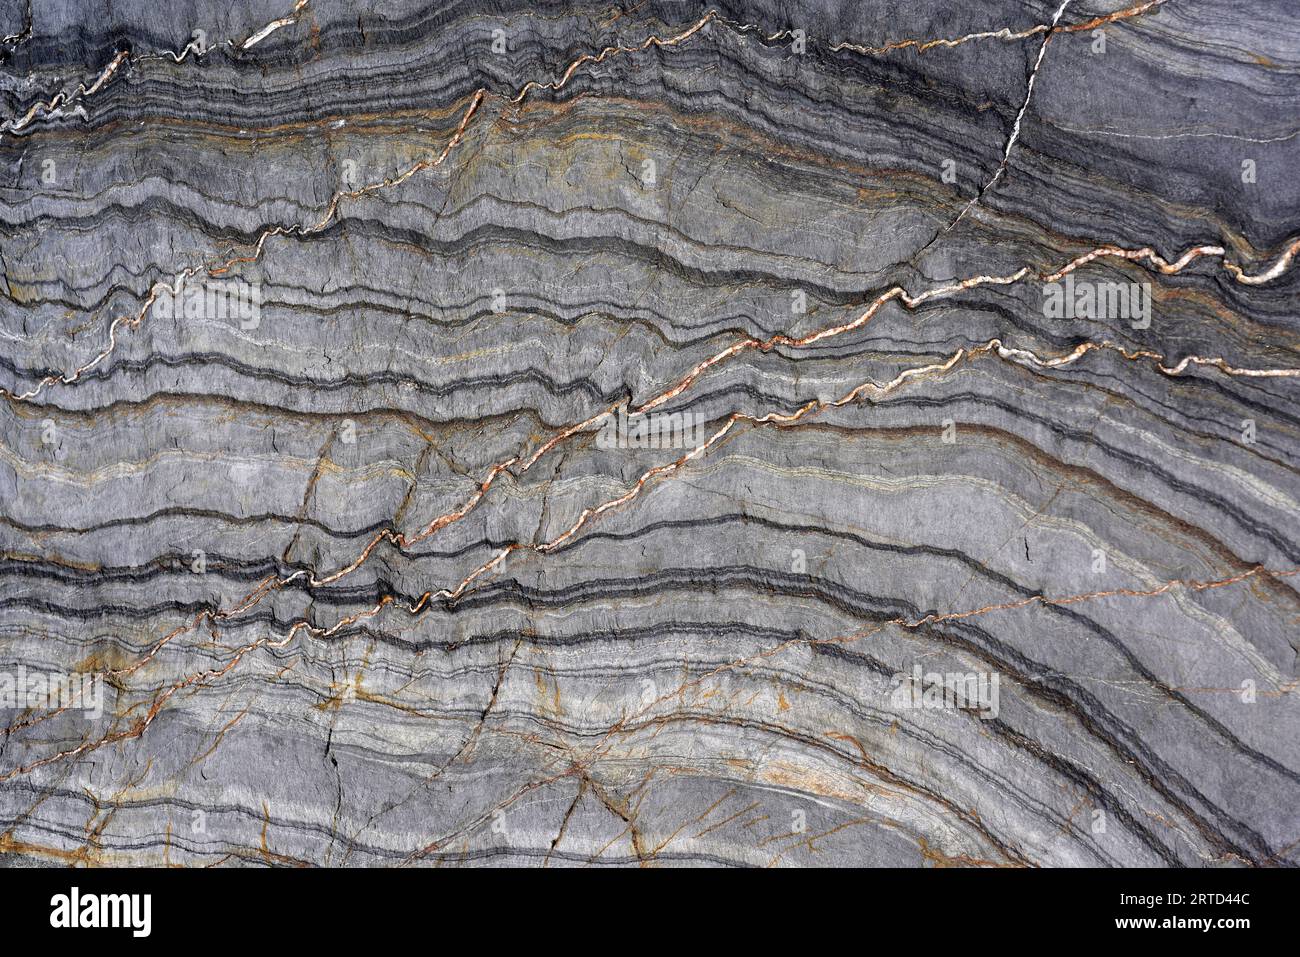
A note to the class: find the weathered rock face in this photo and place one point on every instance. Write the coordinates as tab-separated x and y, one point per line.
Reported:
797	433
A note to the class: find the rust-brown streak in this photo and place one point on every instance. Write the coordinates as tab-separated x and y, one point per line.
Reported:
579	765
475	103
992	347
623	725
814	407
877	390
270	584
142	724
1005	33
60	100
331	210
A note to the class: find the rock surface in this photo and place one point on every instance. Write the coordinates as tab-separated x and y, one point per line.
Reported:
320	327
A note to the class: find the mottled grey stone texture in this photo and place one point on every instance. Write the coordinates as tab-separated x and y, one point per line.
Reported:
360	581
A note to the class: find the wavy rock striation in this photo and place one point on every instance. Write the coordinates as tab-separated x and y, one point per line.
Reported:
765	433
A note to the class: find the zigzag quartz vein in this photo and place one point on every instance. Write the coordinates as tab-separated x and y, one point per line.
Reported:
876	390
1021	355
53	107
1167	369
1282	264
873	388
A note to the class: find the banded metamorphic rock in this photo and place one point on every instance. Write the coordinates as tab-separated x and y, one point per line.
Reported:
766	433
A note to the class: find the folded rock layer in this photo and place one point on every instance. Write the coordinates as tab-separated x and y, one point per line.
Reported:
803	433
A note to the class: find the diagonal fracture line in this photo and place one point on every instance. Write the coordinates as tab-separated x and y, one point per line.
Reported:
51	108
201	678
876	390
1015	127
141	725
1145	254
475	103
